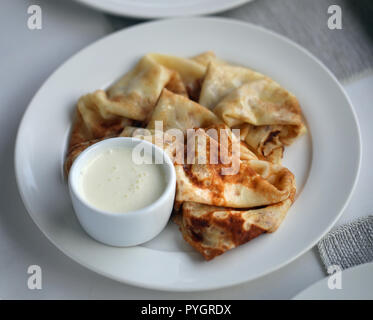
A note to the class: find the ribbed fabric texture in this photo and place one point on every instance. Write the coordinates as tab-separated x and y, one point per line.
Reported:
348	245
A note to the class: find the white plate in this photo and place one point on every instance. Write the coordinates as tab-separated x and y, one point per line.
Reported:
356	284
162	8
325	167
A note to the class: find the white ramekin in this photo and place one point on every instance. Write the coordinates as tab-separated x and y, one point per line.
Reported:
129	228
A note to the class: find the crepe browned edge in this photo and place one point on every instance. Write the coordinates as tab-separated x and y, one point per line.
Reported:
220	229
255	183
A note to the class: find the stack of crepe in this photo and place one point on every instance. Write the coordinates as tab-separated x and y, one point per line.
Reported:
215	211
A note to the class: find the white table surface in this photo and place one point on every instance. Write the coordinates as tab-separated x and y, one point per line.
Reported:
27	58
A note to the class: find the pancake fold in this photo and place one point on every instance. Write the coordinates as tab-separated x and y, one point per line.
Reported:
268	116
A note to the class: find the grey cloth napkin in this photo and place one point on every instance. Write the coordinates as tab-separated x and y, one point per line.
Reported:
348	53
348	245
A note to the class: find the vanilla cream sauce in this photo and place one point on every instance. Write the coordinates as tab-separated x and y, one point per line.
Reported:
113	182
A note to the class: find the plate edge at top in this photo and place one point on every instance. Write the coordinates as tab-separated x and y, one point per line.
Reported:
139	13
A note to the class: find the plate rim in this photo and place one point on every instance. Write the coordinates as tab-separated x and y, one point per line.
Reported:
214	286
132	11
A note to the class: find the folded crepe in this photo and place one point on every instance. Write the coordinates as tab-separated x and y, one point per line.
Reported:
204	183
221	79
136	93
213	230
176	111
222	179
191	71
95	119
268	115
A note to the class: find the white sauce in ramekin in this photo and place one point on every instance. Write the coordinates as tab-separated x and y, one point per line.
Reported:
113	182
